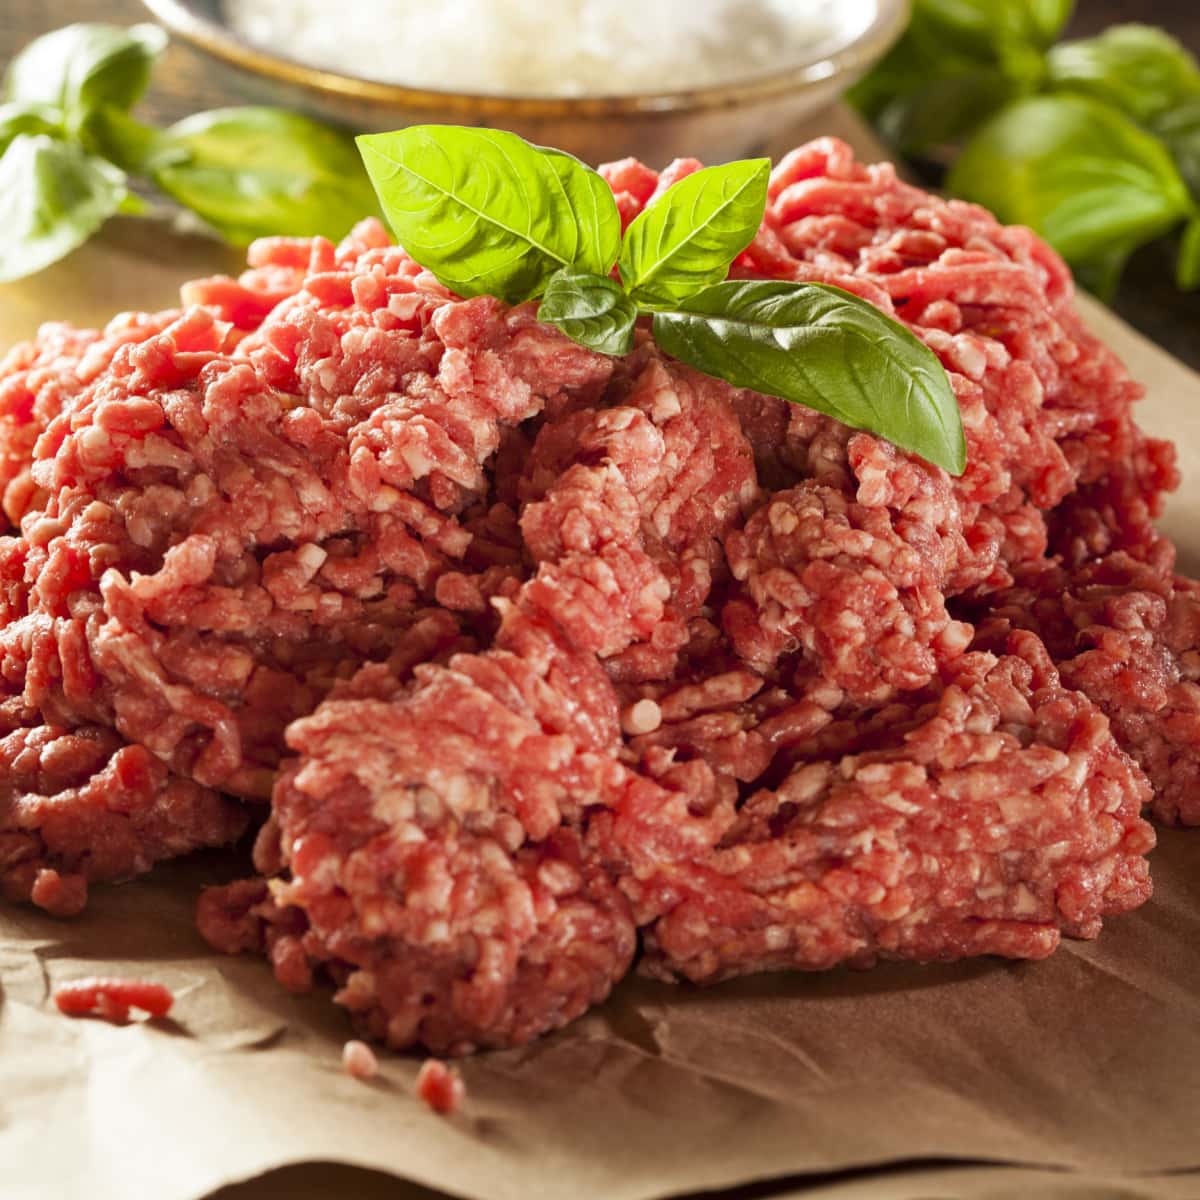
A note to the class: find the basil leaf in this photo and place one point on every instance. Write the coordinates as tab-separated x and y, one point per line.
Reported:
488	213
80	67
1077	171
134	206
944	111
958	62
53	197
1048	18
819	346
591	310
689	236
1141	70
255	172
980	25
16	119
131	144
1187	266
1179	128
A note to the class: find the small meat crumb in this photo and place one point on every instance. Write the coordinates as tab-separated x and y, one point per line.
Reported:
440	1086
59	895
359	1061
113	998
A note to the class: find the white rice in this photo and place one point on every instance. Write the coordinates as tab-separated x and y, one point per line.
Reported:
548	47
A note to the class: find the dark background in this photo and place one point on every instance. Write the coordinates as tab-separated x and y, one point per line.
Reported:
1147	298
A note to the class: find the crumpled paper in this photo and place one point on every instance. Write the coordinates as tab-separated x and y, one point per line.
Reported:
1080	1074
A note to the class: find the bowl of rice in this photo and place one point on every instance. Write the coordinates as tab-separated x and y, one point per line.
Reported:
599	79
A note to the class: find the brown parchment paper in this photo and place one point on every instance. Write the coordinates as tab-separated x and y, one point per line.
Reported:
1082	1072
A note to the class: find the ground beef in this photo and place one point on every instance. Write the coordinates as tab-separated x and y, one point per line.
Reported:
531	649
38	380
470	801
1126	633
81	805
991	816
112	999
359	1061
440	1087
221	523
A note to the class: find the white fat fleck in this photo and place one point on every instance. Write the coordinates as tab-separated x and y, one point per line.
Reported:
437	931
776	937
666	405
783	519
311	557
417	461
385	498
92	440
643	717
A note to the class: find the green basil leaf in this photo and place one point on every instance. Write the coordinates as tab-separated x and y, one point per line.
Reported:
689	236
592	310
1048	18
134	206
1077	171
488	213
898	75
1179	128
131	144
1141	70
16	119
80	67
255	172
822	347
981	25
944	111
53	197
958	62
920	58
1187	266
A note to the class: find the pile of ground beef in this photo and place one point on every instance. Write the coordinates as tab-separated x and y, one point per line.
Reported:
524	659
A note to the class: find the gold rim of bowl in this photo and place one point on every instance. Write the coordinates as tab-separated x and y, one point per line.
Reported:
182	20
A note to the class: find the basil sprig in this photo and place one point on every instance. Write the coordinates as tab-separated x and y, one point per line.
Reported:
490	214
69	145
80	68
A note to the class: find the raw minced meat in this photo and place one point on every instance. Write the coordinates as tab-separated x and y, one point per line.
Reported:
440	1087
535	652
222	523
81	804
989	817
359	1061
113	998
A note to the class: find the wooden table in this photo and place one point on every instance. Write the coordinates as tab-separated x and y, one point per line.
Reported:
1148	299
